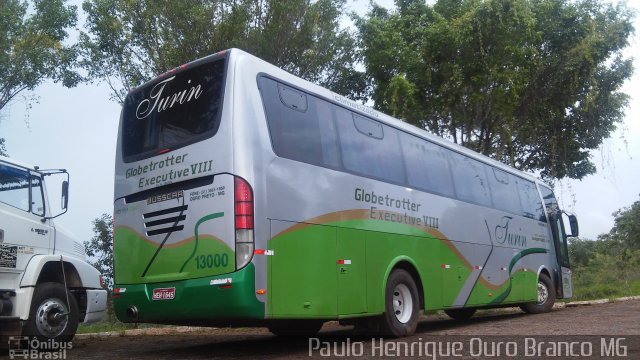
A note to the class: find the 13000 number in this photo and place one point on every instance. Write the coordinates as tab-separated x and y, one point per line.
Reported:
211	261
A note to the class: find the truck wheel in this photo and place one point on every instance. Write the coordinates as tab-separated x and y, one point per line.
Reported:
50	316
402	305
546	297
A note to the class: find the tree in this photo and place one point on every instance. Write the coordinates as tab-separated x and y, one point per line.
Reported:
532	83
100	248
32	46
626	228
609	265
131	41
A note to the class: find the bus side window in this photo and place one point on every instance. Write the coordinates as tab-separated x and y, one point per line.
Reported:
550	202
470	179
530	200
427	166
372	155
368	127
504	192
301	126
292	99
328	134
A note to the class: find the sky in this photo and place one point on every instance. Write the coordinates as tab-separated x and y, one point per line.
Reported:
76	129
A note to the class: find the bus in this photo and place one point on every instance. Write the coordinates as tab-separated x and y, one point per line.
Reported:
246	196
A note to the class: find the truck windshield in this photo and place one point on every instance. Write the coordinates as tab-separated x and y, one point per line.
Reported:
174	111
14	187
17	186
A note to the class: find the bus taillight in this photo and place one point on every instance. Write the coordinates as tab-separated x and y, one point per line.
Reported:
243	222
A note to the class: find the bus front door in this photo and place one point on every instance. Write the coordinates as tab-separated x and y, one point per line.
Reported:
564	285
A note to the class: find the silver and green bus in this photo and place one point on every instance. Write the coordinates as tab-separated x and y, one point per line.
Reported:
246	196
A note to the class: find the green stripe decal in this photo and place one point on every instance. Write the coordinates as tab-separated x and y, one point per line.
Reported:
513	262
195	230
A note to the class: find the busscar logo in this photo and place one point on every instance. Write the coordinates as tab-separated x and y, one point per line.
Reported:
165	197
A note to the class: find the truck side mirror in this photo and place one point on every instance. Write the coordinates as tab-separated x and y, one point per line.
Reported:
65	194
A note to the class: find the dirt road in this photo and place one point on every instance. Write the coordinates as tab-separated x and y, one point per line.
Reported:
586	331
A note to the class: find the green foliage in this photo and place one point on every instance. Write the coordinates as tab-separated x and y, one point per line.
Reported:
131	41
608	267
100	248
626	228
532	83
607	276
32	48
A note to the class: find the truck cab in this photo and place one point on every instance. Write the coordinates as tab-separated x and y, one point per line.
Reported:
46	285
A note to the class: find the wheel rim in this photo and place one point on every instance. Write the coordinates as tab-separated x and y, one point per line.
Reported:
51	318
402	303
543	293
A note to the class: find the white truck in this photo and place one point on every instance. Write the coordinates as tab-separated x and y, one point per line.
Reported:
46	285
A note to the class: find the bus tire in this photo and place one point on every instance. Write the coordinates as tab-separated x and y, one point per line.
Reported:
50	317
295	328
402	305
461	313
546	297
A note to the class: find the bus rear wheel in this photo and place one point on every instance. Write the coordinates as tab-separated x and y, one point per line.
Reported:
546	297
460	314
402	305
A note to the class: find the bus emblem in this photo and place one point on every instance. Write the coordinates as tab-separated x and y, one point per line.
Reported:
165	197
157	103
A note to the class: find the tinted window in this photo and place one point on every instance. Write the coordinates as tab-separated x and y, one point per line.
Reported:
550	202
530	200
427	166
14	187
369	148
174	112
37	196
368	127
470	179
301	126
312	130
504	191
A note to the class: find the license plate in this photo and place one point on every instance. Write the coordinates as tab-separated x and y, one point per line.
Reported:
164	293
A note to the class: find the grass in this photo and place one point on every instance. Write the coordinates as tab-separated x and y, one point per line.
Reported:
113	326
605	291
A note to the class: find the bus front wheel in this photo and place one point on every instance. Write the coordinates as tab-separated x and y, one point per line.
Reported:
401	305
546	297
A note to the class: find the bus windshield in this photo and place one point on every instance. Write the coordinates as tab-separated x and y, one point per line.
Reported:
176	111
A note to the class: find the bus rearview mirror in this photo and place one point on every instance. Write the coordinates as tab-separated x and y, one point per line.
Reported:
573	224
